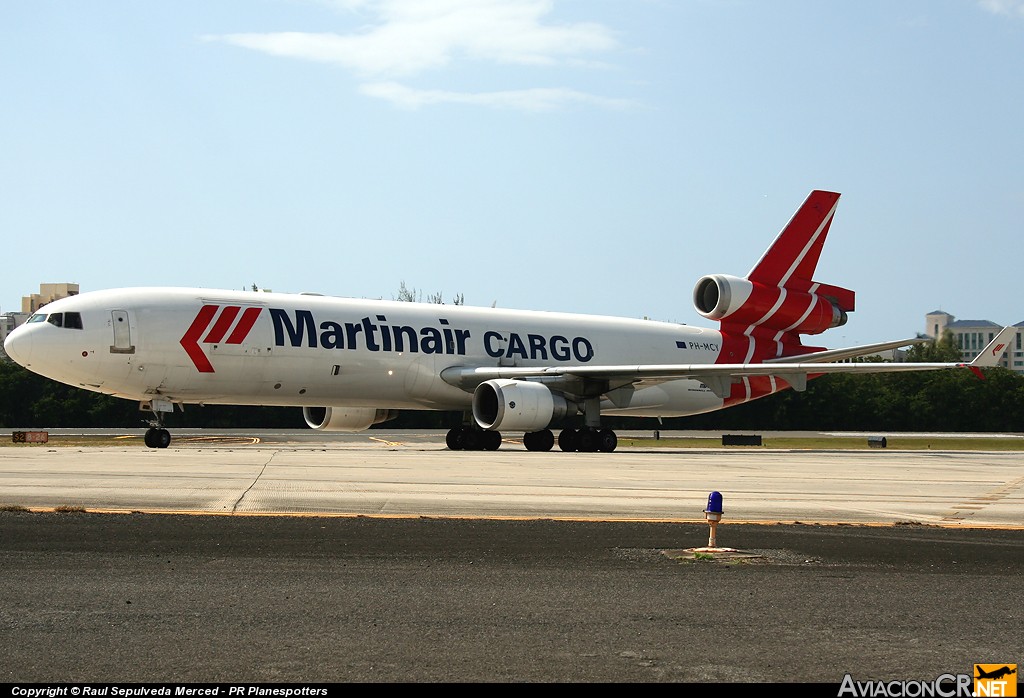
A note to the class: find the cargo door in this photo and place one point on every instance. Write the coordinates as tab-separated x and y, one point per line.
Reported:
122	333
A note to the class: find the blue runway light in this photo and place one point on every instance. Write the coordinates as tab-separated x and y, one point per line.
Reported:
713	514
714	503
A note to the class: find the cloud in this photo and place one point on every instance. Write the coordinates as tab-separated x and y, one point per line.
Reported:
410	37
533	100
1012	8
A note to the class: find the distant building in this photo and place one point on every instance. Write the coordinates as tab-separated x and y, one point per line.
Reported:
971	336
30	304
8	321
47	294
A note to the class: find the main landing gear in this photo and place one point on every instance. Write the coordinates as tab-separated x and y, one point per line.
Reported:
585	440
466	438
588	439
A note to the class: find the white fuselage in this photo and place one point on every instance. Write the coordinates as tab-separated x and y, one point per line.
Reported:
249	348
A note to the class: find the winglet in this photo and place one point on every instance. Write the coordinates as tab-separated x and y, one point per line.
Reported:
993	353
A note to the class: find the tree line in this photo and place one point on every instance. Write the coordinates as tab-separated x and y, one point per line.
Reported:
948	400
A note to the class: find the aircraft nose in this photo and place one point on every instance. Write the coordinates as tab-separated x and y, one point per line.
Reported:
18	346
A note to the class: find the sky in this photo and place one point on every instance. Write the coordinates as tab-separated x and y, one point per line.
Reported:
591	156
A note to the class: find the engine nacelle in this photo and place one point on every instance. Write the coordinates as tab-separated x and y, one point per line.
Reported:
517	405
345	418
720	295
745	302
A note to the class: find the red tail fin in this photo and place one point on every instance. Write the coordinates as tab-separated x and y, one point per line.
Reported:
790	261
779	300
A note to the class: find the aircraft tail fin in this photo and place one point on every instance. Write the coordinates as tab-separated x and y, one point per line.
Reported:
793	256
779	298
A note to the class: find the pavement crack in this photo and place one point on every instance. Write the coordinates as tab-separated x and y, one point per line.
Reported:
234	507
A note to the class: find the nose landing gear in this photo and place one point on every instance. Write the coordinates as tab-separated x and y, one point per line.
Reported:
156	435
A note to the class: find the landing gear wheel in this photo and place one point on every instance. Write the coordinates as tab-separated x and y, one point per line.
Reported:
470	439
491	440
607	440
456	439
568	439
588	440
157	438
541	440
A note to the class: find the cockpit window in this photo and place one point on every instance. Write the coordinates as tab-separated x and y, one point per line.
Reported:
71	321
37	317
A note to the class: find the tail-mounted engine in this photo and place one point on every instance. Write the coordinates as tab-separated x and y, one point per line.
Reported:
517	405
345	418
747	303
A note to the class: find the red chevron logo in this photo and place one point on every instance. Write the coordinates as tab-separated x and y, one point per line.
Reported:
190	341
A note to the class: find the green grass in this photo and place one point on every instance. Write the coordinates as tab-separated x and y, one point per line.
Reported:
66	441
838	443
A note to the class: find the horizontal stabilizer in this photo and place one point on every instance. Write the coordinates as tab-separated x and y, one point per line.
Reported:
848	352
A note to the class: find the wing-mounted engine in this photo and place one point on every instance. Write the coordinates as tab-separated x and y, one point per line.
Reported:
345	418
746	303
517	405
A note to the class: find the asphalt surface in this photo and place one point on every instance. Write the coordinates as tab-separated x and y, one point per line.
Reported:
106	598
395	474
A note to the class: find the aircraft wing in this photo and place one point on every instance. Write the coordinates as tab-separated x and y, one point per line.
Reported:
718	377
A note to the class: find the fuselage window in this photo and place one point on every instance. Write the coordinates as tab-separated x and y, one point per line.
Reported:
37	317
56	319
73	321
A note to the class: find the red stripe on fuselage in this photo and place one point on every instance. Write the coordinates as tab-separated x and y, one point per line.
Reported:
244	325
754	387
220	328
190	340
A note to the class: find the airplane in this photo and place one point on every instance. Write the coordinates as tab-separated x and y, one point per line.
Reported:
995	674
353	363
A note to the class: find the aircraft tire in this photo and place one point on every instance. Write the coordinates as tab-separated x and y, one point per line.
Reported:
541	440
588	441
150	438
607	440
456	439
162	438
491	440
568	439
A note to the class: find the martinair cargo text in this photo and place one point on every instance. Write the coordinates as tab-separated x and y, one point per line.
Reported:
351	363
